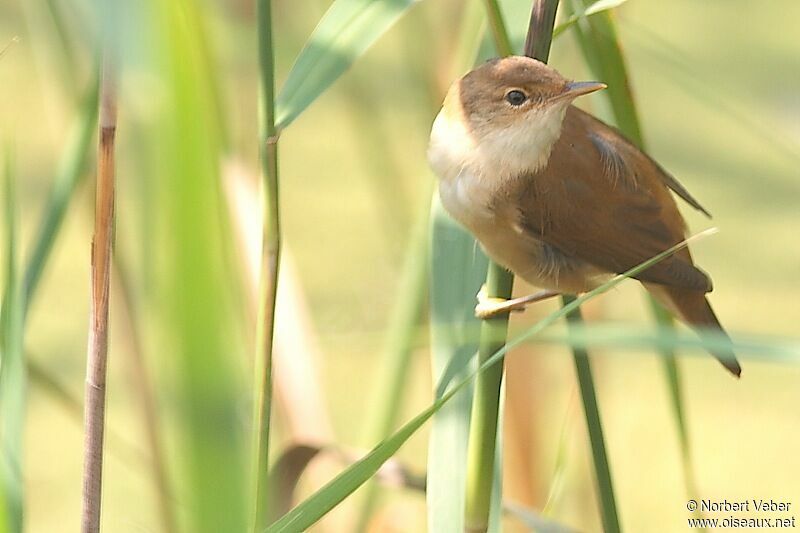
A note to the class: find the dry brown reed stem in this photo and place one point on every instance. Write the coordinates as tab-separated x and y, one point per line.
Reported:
96	363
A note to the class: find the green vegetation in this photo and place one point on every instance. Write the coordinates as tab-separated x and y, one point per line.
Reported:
379	307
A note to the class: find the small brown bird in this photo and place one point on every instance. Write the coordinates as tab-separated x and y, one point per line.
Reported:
558	197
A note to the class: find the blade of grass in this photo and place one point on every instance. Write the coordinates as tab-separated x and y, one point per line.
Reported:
270	261
499	284
603	52
4	50
597	7
346	31
63	44
102	249
71	170
583	369
297	388
457	269
534	521
12	368
600	46
496	509
339	488
193	298
406	315
484	421
623	337
295	460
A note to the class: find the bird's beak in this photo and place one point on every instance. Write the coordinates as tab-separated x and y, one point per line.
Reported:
575	89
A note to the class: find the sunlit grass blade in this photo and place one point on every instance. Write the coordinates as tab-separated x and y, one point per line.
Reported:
496	507
294	461
12	367
597	37
327	497
623	339
559	470
409	304
592	9
62	41
458	268
71	171
348	28
194	303
583	369
271	241
534	521
4	50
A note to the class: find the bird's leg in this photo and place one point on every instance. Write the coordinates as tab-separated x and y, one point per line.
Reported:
491	307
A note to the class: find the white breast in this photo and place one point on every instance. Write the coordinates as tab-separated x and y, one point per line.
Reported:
470	169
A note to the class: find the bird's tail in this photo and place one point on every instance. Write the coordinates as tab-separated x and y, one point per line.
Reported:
693	308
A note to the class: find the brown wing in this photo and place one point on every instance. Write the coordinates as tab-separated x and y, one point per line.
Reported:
606	135
615	218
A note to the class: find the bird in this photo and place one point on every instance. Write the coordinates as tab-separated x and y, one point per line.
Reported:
558	197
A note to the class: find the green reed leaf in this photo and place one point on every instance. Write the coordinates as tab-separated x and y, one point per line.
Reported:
346	31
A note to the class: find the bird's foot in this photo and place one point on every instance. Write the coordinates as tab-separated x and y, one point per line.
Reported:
491	307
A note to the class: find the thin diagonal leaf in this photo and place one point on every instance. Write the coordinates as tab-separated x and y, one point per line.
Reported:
71	170
12	371
346	31
535	522
326	498
598	7
458	268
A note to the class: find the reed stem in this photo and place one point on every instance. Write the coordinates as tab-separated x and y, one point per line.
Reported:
270	260
97	357
485	408
583	368
481	449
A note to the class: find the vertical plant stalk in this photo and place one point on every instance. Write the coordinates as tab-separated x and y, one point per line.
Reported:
97	357
270	260
597	37
499	284
485	409
583	368
502	42
13	379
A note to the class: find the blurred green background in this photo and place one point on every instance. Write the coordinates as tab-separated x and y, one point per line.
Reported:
718	88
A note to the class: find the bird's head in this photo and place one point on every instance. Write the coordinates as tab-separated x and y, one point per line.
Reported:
506	114
503	93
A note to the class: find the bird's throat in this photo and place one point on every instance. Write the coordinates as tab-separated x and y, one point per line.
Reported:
494	152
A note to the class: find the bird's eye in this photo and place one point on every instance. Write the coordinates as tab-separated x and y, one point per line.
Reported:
515	97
